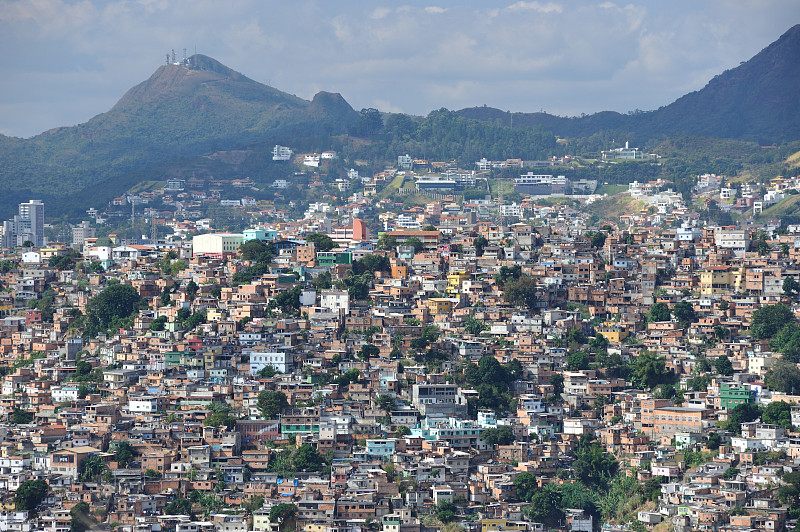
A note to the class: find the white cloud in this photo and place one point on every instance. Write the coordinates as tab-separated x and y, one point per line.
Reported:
67	60
536	6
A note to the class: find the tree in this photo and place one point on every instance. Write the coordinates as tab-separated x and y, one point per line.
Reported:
521	293
80	521
123	453
152	473
593	466
220	419
322	281
257	251
685	314
545	506
191	290
791	287
282	513
415	243
368	351
21	417
649	370
474	326
179	506
769	319
387	241
403	431
576	336
742	413
557	380
270	404
778	413
445	511
783	377
526	485
30	494
577	361
658	312
307	458
321	241
92	468
267	372
372	263
111	308
597	238
385	402
714	441
480	244
723	365
503	435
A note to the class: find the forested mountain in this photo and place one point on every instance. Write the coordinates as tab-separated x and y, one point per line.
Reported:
757	101
180	111
175	122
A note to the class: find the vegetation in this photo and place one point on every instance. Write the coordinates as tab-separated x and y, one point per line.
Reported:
30	494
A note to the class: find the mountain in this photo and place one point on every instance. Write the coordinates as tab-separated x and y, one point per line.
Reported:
180	111
759	101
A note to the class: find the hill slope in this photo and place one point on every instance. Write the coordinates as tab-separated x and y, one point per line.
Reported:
181	110
759	100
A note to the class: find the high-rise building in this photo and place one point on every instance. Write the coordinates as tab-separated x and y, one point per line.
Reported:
28	225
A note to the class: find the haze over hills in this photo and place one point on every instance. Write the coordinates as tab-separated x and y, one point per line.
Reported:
186	110
759	101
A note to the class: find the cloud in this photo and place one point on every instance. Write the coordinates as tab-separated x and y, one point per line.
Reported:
536	6
67	60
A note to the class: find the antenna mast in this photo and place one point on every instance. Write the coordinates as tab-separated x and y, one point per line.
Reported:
173	55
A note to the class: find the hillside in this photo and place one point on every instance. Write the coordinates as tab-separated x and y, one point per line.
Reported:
757	101
180	111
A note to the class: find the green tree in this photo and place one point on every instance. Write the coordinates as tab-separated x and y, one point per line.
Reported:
783	376
790	286
385	402
178	506
322	281
557	380
743	413
649	370
307	458
282	513
110	308
503	435
474	326
723	365
92	468
271	403
79	519
152	474
368	351
415	243
191	290
658	312
480	244
257	251
387	241
30	494
545	507
714	441
685	314
769	319
577	361
321	241
778	413
526	485
521	293
267	372
593	466
445	511
402	431
123	453
21	417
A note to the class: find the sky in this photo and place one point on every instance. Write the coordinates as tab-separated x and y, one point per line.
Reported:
65	61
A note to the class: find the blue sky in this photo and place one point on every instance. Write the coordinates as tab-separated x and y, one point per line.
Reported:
65	61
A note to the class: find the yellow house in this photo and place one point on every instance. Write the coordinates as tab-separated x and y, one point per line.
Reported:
613	332
454	281
716	280
501	524
442	305
215	314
